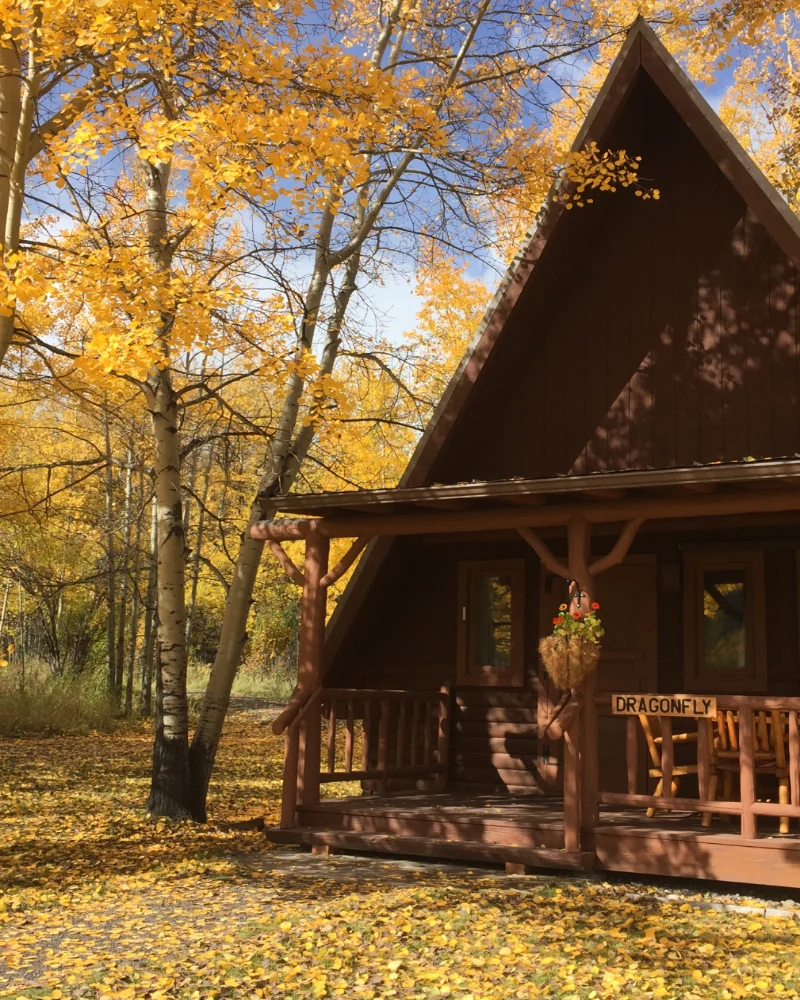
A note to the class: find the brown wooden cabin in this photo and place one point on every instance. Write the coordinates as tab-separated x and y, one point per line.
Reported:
626	417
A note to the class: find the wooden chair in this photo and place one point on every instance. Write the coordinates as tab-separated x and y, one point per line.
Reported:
769	755
655	735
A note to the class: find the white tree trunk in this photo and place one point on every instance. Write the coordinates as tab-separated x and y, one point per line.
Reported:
111	570
137	550
169	792
150	619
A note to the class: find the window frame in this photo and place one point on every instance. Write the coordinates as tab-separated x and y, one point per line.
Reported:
754	677
514	675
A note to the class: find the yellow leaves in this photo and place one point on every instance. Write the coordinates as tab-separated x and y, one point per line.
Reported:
217	914
590	169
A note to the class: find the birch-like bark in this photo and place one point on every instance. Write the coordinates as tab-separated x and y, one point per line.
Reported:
146	700
170	785
21	620
194	575
134	630
111	568
18	97
3	615
10	111
169	792
123	586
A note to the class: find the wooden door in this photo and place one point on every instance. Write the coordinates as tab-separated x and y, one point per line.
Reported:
628	661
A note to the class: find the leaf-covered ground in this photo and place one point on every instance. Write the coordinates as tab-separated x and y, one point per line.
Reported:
95	901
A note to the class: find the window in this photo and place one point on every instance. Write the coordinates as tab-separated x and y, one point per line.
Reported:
490	617
724	621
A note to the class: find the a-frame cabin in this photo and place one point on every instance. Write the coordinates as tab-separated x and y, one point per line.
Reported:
627	417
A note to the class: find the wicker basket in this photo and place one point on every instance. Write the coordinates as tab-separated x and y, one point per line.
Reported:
568	660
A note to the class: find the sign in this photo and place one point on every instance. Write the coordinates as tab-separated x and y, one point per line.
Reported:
684	706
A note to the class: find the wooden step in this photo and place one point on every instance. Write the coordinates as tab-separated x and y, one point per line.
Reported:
488	714
520	746
478	697
498	761
509	777
429	847
496	730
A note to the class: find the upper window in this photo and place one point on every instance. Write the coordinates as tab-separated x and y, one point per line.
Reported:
491	608
724	619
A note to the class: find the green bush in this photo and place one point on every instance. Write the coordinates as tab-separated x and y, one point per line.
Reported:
46	704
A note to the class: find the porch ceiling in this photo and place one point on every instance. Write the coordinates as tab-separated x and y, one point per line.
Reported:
652	488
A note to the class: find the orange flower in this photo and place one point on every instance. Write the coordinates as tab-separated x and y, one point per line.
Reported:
562	607
559	620
576	616
595	606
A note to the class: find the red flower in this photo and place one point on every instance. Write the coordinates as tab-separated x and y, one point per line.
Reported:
595	606
576	616
559	620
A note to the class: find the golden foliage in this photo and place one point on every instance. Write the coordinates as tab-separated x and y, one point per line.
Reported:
96	901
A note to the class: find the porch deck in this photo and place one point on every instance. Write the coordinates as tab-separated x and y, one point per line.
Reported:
524	831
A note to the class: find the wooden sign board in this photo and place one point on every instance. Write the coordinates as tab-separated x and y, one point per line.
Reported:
682	706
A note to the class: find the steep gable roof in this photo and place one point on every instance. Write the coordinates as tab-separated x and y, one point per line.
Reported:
641	52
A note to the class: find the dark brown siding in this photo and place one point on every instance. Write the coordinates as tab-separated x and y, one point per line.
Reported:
663	332
404	635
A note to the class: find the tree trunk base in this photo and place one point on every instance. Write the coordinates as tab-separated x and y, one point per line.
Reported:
170	787
201	764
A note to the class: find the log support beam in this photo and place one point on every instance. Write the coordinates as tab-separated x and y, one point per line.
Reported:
576	716
302	759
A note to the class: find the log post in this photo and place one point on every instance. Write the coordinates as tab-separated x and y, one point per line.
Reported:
290	759
667	756
309	663
704	746
747	778
632	754
572	787
443	742
590	751
580	747
385	707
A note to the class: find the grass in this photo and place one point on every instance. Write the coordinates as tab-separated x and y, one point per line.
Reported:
47	704
273	684
80	705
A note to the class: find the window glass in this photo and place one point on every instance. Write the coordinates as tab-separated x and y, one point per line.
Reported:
492	611
724	622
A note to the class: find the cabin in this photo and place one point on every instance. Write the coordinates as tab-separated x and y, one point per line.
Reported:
624	430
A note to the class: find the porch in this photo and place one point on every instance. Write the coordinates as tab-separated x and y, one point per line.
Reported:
398	746
526	832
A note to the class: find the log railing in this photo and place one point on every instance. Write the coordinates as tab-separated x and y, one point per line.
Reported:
351	734
752	735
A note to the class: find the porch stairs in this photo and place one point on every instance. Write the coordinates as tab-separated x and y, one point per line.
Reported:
494	740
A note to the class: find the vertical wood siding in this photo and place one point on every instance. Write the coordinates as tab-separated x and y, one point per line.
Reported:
653	333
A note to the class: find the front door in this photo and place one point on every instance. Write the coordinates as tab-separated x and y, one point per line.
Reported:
628	661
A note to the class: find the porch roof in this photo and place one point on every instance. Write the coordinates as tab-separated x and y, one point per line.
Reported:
598	488
735	488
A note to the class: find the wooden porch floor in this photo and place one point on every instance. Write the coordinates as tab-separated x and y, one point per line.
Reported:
527	830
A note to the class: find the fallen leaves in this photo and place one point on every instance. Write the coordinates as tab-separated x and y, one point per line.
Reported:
99	902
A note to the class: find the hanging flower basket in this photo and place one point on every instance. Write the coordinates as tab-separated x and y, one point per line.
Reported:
571	653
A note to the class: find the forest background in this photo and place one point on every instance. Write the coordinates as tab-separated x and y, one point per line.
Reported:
205	211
